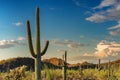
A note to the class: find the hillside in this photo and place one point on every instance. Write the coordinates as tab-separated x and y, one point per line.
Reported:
51	63
20	61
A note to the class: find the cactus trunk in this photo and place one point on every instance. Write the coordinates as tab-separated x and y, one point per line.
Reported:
65	65
39	53
37	68
109	69
99	64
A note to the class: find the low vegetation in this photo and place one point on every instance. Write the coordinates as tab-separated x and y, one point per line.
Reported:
20	73
20	69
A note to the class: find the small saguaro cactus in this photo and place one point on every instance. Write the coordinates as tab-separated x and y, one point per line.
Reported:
98	63
37	55
64	65
99	67
109	74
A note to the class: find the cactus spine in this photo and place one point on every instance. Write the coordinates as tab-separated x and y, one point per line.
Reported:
64	65
39	53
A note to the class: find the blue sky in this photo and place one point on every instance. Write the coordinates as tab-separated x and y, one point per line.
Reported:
87	29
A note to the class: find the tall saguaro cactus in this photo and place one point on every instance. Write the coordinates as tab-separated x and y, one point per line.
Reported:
64	65
38	53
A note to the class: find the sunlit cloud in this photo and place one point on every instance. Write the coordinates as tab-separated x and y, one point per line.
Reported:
107	49
61	51
115	33
85	57
21	38
4	44
69	43
89	58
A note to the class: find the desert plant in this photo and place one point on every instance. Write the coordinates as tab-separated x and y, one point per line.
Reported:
39	53
98	63
109	69
16	74
64	65
51	74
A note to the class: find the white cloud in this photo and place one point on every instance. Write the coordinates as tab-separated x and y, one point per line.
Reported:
69	43
96	18
115	27
106	3
115	30
18	24
21	38
115	33
107	49
111	13
9	43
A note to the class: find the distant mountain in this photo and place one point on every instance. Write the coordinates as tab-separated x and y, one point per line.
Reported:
115	63
54	60
16	62
20	61
51	63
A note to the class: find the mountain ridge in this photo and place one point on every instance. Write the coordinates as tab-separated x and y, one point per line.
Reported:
54	63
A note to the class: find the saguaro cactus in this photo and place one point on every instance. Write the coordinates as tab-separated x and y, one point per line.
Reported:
109	69
64	65
39	53
99	63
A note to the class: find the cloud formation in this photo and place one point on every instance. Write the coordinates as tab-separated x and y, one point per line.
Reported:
4	44
84	57
18	24
69	43
115	30
111	13
107	49
106	3
96	18
21	38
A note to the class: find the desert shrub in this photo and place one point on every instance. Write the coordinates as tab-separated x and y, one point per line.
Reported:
73	73
16	74
51	74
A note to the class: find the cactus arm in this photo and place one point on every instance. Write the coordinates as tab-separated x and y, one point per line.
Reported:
65	58
45	48
30	40
38	49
